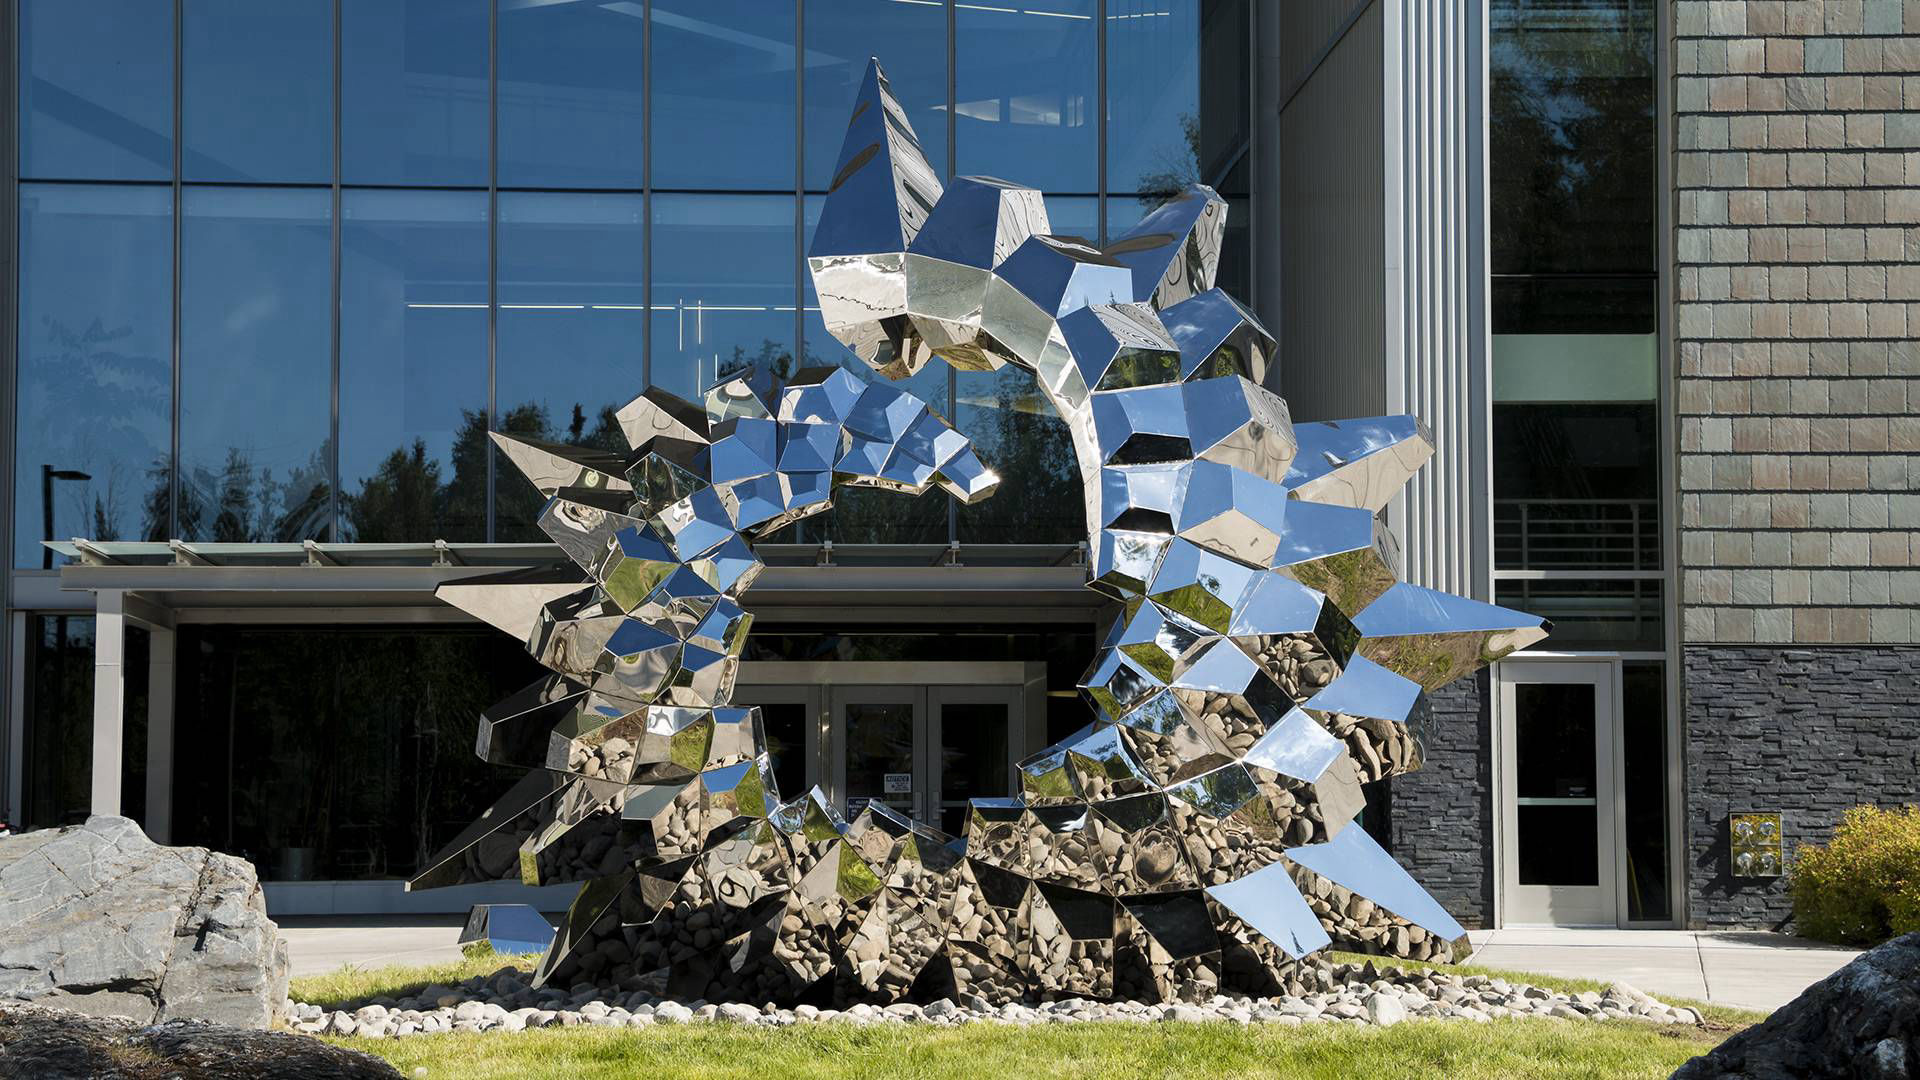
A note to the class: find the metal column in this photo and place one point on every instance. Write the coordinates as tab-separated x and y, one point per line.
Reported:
109	699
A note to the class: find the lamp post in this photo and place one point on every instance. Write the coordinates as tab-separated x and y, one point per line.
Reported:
48	474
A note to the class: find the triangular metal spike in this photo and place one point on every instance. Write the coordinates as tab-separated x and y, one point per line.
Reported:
1362	463
1270	902
1355	861
1434	638
552	466
512	600
883	188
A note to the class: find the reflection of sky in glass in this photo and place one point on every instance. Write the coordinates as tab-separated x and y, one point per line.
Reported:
1153	93
413	323
910	41
255	362
96	96
723	91
258	108
572	100
413	91
257	91
96	327
572	306
723	286
1024	104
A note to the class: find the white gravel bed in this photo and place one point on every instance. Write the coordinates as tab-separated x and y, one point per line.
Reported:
504	1002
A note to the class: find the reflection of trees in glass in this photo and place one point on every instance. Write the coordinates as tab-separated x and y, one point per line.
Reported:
244	504
88	406
351	742
1178	171
1018	435
1572	138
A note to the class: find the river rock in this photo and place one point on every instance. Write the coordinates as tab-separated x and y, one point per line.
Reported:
98	919
1861	1021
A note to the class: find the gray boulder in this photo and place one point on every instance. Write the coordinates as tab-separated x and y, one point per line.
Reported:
98	919
1861	1021
53	1044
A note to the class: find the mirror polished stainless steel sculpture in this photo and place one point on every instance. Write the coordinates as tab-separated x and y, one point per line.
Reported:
1266	662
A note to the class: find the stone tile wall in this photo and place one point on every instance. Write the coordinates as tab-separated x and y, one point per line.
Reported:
1805	731
1440	820
1796	165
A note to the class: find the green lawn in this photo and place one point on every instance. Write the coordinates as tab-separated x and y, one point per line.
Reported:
1456	1050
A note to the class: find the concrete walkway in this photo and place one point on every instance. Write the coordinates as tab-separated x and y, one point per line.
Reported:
1749	970
1742	969
317	944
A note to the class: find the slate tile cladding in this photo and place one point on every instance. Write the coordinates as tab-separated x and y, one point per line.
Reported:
1805	731
1796	166
1441	817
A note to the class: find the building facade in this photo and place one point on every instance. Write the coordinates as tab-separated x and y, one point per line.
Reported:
274	270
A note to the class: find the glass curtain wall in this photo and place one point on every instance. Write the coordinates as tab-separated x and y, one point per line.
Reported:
1576	389
285	262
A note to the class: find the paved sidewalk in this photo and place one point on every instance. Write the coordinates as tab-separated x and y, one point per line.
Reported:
1742	969
317	944
1750	970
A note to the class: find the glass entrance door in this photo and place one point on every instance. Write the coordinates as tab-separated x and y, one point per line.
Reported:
1560	798
882	747
862	732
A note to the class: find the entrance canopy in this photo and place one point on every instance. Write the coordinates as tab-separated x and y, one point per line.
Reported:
160	585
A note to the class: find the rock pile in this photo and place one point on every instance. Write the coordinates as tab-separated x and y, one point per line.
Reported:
1861	1021
1359	994
55	1044
98	919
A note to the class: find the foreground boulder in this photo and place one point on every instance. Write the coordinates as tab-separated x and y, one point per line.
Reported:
53	1044
98	919
1861	1021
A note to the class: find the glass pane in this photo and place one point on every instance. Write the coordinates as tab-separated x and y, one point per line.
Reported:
1153	95
879	742
572	311
413	91
1576	485
1556	778
910	40
1572	305
1644	717
340	753
1554	740
257	90
572	103
58	769
1559	845
256	383
973	759
1017	434
1590	614
413	365
723	268
786	728
1571	137
1024	93
1226	83
96	89
723	91
96	366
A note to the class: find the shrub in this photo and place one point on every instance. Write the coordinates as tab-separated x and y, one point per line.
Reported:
1864	886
